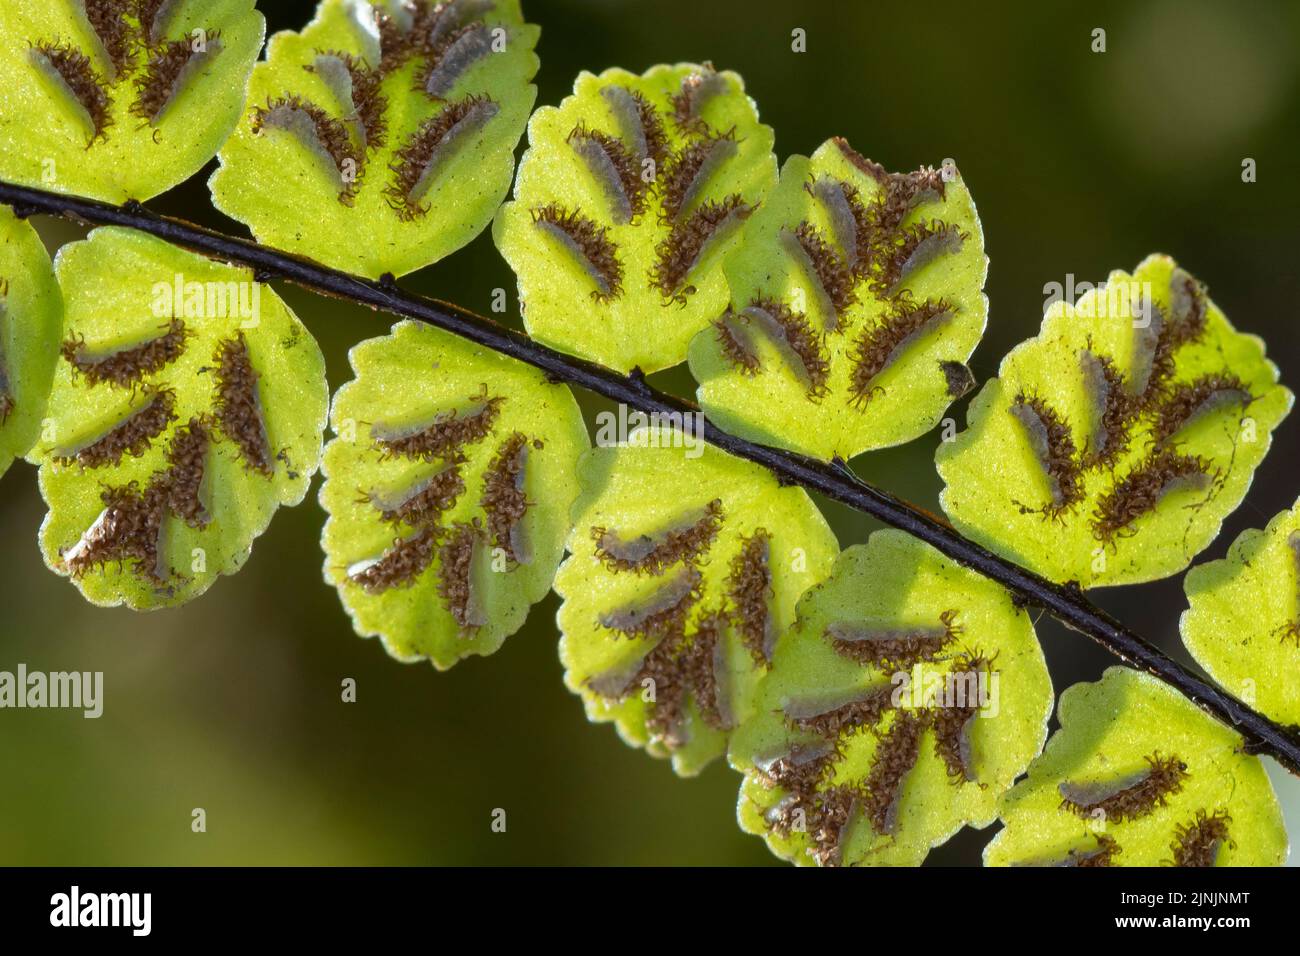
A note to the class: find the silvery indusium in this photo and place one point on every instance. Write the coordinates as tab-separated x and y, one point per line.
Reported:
826	306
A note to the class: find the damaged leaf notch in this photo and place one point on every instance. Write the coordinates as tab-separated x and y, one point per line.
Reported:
677	660
131	526
816	798
435	452
7	400
1130	445
656	167
858	248
419	48
129	57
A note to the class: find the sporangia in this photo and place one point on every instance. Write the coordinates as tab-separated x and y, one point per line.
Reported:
878	347
504	499
124	367
1188	402
895	756
589	243
320	133
689	171
615	168
915	246
451	56
238	405
400	565
417	163
864	709
894	648
1112	410
108	19
443	437
789	332
1198	843
359	89
685	540
677	255
1130	797
425	502
661	612
166	72
694	93
457	579
71	69
1053	444
1103	854
130	526
133	435
1141	490
749	593
834	276
953	723
640	122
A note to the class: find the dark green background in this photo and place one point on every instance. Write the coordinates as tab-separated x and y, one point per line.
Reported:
1079	162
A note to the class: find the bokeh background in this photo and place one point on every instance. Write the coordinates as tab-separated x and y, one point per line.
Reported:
1080	162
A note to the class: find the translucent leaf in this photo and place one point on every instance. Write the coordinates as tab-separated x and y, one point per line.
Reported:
855	302
448	490
628	198
381	138
1243	622
31	318
120	99
189	403
1112	445
686	565
909	695
1139	776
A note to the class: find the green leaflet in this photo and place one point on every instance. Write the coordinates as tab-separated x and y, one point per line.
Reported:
381	138
188	405
1112	445
909	695
31	318
855	302
1138	776
448	491
628	198
1243	620
685	567
120	99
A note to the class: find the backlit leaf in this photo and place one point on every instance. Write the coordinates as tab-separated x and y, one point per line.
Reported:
1243	622
1139	776
31	318
1111	446
189	403
856	299
909	695
685	567
628	198
120	99
381	138
448	488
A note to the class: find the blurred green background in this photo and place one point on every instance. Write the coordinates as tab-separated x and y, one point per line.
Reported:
1080	163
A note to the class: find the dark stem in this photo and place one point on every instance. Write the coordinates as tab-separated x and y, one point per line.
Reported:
1064	602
